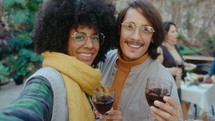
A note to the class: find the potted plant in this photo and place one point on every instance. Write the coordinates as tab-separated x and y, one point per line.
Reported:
18	53
23	64
4	73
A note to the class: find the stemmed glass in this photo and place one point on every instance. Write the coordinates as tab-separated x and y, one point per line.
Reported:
180	72
180	64
103	98
156	89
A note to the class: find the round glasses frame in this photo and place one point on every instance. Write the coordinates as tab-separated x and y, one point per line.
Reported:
80	38
145	31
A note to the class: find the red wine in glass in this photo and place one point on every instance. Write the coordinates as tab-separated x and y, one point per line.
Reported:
156	89
103	103
156	94
103	98
180	64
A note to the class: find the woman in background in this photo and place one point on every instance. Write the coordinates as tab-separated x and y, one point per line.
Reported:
170	56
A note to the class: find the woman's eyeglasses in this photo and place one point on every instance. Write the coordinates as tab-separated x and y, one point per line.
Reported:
145	31
80	38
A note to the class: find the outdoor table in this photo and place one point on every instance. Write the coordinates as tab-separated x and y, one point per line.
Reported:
201	95
198	58
202	62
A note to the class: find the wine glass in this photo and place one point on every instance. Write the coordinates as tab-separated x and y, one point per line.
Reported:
180	72
179	64
103	98
156	89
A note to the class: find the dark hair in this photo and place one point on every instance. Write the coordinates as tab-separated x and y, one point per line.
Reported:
166	26
57	17
152	15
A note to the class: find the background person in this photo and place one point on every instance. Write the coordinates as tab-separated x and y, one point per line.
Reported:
128	68
207	78
73	36
170	56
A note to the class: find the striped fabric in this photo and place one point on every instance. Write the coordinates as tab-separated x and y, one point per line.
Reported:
38	100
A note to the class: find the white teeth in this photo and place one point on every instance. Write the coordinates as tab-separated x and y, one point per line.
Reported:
134	46
84	54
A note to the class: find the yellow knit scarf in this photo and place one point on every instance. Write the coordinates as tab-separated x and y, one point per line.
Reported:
79	79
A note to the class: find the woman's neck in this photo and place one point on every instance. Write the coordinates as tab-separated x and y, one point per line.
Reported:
169	45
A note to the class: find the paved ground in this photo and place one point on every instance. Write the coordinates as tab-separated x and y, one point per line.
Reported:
9	92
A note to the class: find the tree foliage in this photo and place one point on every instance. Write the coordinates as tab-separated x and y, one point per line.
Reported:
18	53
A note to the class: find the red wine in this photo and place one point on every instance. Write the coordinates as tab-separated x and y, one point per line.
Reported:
156	94
183	71
104	103
180	66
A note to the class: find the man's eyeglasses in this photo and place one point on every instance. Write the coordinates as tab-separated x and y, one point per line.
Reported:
80	38
146	31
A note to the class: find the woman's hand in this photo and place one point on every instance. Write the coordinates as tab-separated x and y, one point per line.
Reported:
207	79
168	111
175	71
112	115
204	78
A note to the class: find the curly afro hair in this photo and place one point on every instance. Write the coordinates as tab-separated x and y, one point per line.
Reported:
57	17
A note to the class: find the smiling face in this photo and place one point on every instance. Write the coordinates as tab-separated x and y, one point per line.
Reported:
134	46
86	52
172	35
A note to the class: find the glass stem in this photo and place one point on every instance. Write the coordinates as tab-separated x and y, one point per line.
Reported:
151	118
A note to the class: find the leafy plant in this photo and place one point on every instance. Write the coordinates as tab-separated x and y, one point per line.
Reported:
180	35
18	53
23	63
187	23
4	73
210	43
185	50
